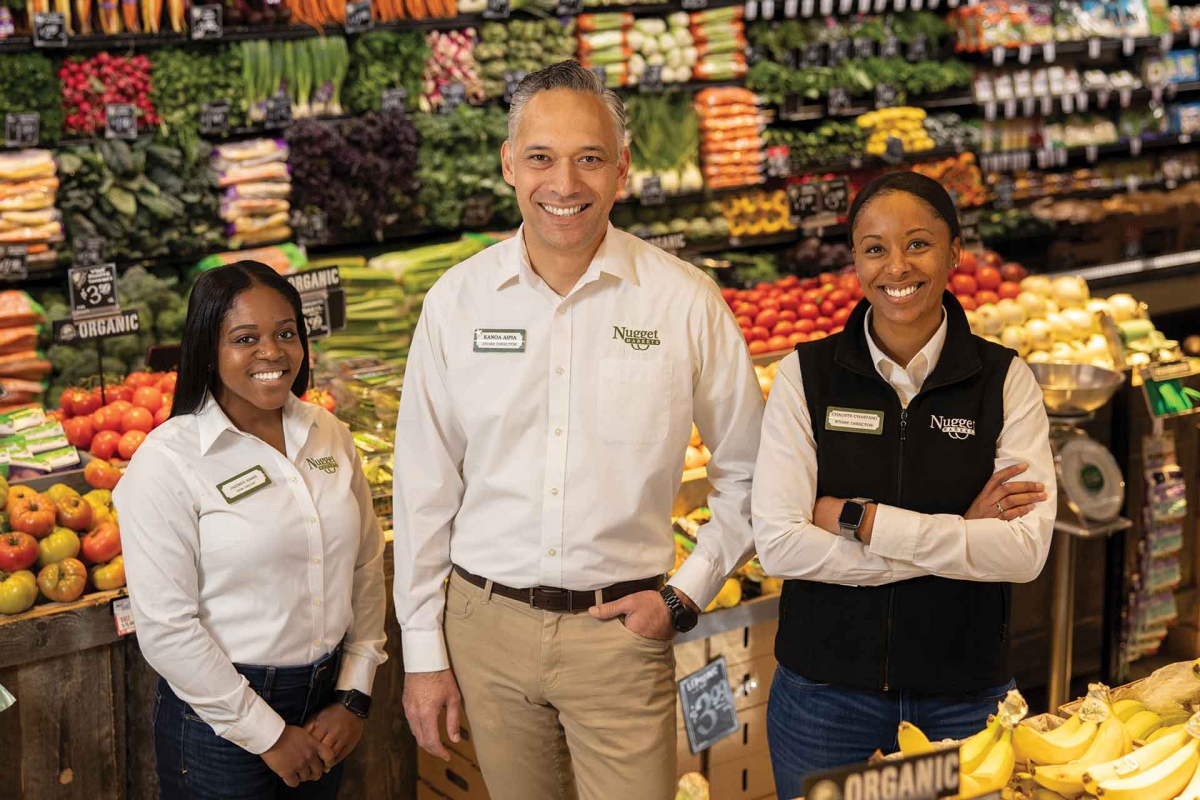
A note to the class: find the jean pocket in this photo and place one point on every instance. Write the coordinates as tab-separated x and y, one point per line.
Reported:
459	604
996	693
637	637
798	681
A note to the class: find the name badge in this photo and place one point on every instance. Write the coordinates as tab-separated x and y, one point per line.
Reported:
488	340
244	484
854	420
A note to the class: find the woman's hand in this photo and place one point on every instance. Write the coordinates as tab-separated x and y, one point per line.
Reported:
338	729
298	757
1001	499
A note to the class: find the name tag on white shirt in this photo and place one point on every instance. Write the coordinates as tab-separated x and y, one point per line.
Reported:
854	420
244	484
488	340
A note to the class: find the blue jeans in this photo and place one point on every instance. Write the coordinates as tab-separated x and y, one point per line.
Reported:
196	764
813	727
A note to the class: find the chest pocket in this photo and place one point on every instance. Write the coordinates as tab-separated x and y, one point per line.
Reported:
633	401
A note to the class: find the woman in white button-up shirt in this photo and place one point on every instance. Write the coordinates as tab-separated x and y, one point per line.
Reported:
254	559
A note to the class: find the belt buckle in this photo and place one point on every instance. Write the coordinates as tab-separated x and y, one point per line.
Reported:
551	591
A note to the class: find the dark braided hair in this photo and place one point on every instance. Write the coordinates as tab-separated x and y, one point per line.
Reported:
925	189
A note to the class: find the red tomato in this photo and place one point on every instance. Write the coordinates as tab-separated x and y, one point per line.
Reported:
805	326
991	259
808	311
967	302
758	347
849	282
964	284
79	432
745	322
950	275
824	324
836	329
1013	272
783	329
789	302
747	310
967	263
130	442
754	297
814	296
767	318
742	295
989	278
164	414
985	297
137	419
826	277
1009	289
809	283
797	338
786	315
84	403
747	334
106	419
120	406
812	337
104	444
839	297
769	304
760	333
777	343
827	308
840	316
149	398
114	393
138	379
729	294
763	286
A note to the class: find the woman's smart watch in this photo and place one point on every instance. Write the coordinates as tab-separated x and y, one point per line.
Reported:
852	516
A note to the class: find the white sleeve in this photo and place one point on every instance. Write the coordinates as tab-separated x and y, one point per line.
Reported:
986	549
160	537
785	493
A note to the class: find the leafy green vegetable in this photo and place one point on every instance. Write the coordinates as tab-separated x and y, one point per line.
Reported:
28	84
184	80
384	60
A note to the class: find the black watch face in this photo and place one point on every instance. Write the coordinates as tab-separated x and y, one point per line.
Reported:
685	620
852	514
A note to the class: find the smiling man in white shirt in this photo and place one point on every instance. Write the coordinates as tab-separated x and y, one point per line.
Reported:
547	406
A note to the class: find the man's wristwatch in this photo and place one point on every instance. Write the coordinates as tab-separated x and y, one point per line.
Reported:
356	702
851	518
683	619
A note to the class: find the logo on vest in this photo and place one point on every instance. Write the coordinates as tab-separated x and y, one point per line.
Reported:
638	340
954	427
328	464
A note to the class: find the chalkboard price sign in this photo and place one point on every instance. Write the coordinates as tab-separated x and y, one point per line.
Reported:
279	111
49	29
453	95
864	47
652	192
836	197
885	95
93	291
804	199
497	9
22	129
14	263
707	702
393	100
214	118
814	55
89	251
918	48
929	776
839	51
569	8
120	121
652	80
511	81
207	22
359	17
839	101
316	315
895	150
694	5
890	47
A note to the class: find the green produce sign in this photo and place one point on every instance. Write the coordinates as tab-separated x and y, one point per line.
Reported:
1171	389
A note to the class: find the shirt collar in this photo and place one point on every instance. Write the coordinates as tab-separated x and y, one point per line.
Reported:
613	258
922	364
298	419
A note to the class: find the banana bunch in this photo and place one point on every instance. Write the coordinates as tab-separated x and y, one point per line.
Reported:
904	123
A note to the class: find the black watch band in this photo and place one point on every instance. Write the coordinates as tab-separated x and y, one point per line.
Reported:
683	619
356	702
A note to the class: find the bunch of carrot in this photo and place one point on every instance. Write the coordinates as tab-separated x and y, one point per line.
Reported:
319	13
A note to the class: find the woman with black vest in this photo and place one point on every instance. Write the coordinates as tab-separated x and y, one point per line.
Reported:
884	497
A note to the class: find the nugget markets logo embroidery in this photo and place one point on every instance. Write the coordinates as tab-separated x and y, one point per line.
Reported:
328	464
955	428
638	340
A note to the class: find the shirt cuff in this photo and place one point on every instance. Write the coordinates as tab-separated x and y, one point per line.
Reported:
895	533
698	580
259	730
424	651
357	673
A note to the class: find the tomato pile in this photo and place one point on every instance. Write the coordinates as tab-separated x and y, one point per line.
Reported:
980	280
90	85
117	422
778	316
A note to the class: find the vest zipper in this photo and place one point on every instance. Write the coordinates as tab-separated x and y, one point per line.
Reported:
887	649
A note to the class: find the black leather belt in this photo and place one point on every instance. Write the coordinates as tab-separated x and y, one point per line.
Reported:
568	601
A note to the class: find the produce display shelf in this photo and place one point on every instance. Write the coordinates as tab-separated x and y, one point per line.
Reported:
819	112
1042	158
874	162
1046	53
743	615
702	196
1099	192
1098	99
49	609
1099	276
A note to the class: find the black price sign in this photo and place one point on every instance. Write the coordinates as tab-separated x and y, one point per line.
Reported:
497	9
652	193
22	129
69	331
601	73
359	17
478	211
311	226
569	8
511	81
693	5
918	48
839	51
672	242
214	118
93	291
652	80
864	47
14	263
788	58
890	47
208	22
279	111
970	227
813	55
316	315
707	703
120	121
836	197
89	252
393	100
804	199
885	95
930	775
794	107
895	150
49	29
1004	192
839	101
312	281
779	161
453	96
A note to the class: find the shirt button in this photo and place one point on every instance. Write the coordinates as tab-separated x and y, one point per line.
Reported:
562	310
316	601
312	519
316	642
553	552
558	431
316	561
554	492
295	479
560	371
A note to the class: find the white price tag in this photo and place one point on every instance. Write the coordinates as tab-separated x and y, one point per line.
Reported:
807	7
1135	146
123	615
1027	106
1093	153
1060	156
901	6
880	6
1126	97
1043	159
791	8
1081	101
1023	161
1194	37
1093	48
1185	138
1102	98
999	53
989	112
845	7
826	7
1024	53
933	4
952	3
1010	108
768	9
1127	45
1156	93
1049	53
1068	103
751	10
1166	42
1047	103
918	5
864	6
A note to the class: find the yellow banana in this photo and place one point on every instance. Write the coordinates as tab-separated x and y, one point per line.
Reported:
913	742
1067	779
1062	731
993	774
1192	790
1135	763
1164	731
1162	782
1045	794
1142	724
1046	748
974	750
1124	709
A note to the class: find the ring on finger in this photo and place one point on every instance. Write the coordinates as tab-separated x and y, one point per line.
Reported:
999	507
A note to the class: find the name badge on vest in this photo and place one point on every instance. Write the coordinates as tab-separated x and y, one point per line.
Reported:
244	484
488	340
854	420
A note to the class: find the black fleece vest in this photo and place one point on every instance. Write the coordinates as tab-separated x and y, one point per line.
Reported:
927	635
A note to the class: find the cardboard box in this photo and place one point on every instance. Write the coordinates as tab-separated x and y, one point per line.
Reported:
749	741
744	644
425	792
466	746
457	780
690	657
751	682
685	762
748	779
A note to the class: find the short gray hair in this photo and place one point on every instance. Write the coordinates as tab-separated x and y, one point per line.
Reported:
566	75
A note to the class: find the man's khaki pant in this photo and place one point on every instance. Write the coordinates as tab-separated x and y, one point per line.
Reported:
545	692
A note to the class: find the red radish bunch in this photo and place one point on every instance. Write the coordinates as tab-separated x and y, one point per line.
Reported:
778	316
984	279
90	85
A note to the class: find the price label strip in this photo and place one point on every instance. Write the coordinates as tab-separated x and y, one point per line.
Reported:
123	616
839	101
69	331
